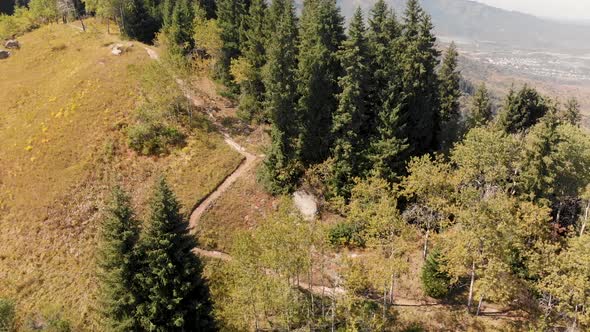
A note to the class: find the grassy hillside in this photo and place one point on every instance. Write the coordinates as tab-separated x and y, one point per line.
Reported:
65	102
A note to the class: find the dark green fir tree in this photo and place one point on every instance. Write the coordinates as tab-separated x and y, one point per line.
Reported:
419	96
522	110
281	168
254	51
139	23
322	32
352	108
383	36
230	17
480	112
118	264
180	27
174	295
449	94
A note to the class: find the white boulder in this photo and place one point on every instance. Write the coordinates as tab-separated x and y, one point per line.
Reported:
306	203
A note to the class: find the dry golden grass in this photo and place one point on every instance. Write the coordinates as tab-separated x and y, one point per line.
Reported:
64	101
242	207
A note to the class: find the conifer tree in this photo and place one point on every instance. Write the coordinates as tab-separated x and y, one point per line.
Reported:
321	34
541	165
281	170
118	264
353	102
385	122
138	21
522	110
230	17
449	94
7	7
254	51
167	10
383	34
180	27
420	83
174	296
571	113
435	281
480	112
210	8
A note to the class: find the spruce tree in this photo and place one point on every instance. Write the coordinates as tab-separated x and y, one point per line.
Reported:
449	94
541	167
210	8
522	110
174	296
480	112
386	121
281	168
383	34
571	113
254	51
419	93
7	7
322	33
138	21
435	281
230	16
179	27
167	10
118	264
352	107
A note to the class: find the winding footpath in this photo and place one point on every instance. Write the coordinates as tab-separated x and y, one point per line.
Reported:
248	163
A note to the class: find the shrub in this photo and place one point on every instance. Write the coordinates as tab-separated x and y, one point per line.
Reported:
7	314
20	22
153	138
346	235
436	282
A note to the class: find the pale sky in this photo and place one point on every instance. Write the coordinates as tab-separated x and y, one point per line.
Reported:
559	9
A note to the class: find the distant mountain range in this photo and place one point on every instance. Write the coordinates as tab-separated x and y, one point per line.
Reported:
475	22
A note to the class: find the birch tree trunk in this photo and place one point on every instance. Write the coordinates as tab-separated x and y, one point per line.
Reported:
585	219
479	305
425	250
470	298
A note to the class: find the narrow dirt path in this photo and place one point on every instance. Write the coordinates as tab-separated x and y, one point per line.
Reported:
248	162
319	290
245	166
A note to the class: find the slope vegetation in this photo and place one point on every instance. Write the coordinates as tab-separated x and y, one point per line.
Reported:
65	103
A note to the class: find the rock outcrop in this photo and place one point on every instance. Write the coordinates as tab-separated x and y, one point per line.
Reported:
4	54
306	203
12	44
118	49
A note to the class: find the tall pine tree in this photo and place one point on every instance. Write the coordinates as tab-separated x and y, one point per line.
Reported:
139	22
420	83
480	112
352	108
386	122
179	26
321	35
118	264
254	51
522	110
383	35
281	168
449	94
571	112
230	17
174	296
